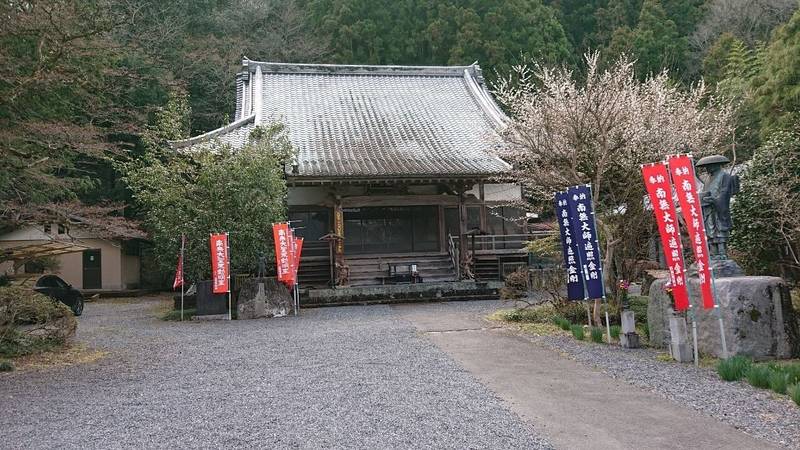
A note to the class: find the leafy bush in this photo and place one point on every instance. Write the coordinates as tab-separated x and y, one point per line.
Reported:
759	376
175	315
6	366
638	304
615	330
734	368
516	285
540	314
792	372
575	312
597	335
577	332
794	392
31	322
778	381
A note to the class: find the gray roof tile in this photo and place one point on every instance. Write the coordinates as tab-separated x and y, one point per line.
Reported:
375	121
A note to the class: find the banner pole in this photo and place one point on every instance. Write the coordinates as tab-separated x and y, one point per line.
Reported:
183	265
230	275
719	312
694	334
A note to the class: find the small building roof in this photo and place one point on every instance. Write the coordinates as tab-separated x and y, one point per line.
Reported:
371	121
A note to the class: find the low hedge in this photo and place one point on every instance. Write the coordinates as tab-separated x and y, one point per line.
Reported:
31	322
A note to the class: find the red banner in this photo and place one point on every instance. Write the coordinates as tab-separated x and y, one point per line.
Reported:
681	168
298	248
178	282
656	179
220	263
281	235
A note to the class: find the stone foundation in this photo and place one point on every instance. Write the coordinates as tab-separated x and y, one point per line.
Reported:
263	297
757	313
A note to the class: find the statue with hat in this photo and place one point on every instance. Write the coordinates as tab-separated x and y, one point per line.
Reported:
715	198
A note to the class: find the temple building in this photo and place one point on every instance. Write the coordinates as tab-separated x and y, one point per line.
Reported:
401	162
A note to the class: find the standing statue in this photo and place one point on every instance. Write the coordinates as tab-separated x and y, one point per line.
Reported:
262	265
716	201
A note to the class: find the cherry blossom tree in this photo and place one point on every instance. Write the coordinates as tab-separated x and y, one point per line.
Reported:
598	129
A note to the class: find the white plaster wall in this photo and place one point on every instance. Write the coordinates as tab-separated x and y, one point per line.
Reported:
307	195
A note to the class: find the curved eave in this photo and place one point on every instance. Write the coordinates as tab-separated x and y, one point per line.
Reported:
207	137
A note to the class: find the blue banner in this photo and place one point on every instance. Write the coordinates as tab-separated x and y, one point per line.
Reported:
569	245
579	199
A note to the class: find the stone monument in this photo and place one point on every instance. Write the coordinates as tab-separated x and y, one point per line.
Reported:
756	312
263	297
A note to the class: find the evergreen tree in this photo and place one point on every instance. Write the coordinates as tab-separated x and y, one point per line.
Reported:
777	90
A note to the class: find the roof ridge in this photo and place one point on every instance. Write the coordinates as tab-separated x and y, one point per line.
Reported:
360	69
213	133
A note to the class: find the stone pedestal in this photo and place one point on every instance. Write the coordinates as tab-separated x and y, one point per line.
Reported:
757	314
628	338
263	297
680	348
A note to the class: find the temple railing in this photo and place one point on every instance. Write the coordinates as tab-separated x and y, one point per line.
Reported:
499	243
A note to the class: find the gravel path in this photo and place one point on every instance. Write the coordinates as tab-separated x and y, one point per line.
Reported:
334	377
757	412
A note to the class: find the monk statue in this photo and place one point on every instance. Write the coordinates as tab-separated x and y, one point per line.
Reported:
715	198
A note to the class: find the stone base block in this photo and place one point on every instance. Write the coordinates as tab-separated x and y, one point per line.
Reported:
263	297
629	340
757	315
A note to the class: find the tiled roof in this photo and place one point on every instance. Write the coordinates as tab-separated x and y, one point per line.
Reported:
372	121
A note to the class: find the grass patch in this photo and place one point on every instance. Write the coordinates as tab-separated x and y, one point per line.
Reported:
794	392
562	323
597	335
664	357
577	332
778	381
758	376
734	368
6	366
175	315
615	330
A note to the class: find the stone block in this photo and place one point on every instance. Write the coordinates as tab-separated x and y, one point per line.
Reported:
628	338
263	297
757	314
679	348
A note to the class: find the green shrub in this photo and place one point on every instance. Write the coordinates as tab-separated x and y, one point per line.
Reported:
734	368
31	322
638	304
794	392
175	314
577	332
597	335
575	312
6	366
758	376
615	330
792	372
778	381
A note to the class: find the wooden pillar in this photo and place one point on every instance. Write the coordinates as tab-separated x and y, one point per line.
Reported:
462	229
338	248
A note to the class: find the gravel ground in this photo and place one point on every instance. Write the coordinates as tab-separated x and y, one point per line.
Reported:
333	377
757	412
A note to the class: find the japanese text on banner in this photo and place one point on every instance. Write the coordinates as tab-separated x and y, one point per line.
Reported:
681	169
220	264
579	200
280	233
569	247
659	190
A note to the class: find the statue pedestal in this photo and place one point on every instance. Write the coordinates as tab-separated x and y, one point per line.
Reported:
757	314
264	297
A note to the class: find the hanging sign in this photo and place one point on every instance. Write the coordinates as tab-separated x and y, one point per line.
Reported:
659	189
569	246
220	263
280	234
579	202
681	168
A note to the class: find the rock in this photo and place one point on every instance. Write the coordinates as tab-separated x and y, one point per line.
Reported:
264	297
650	276
722	268
757	314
